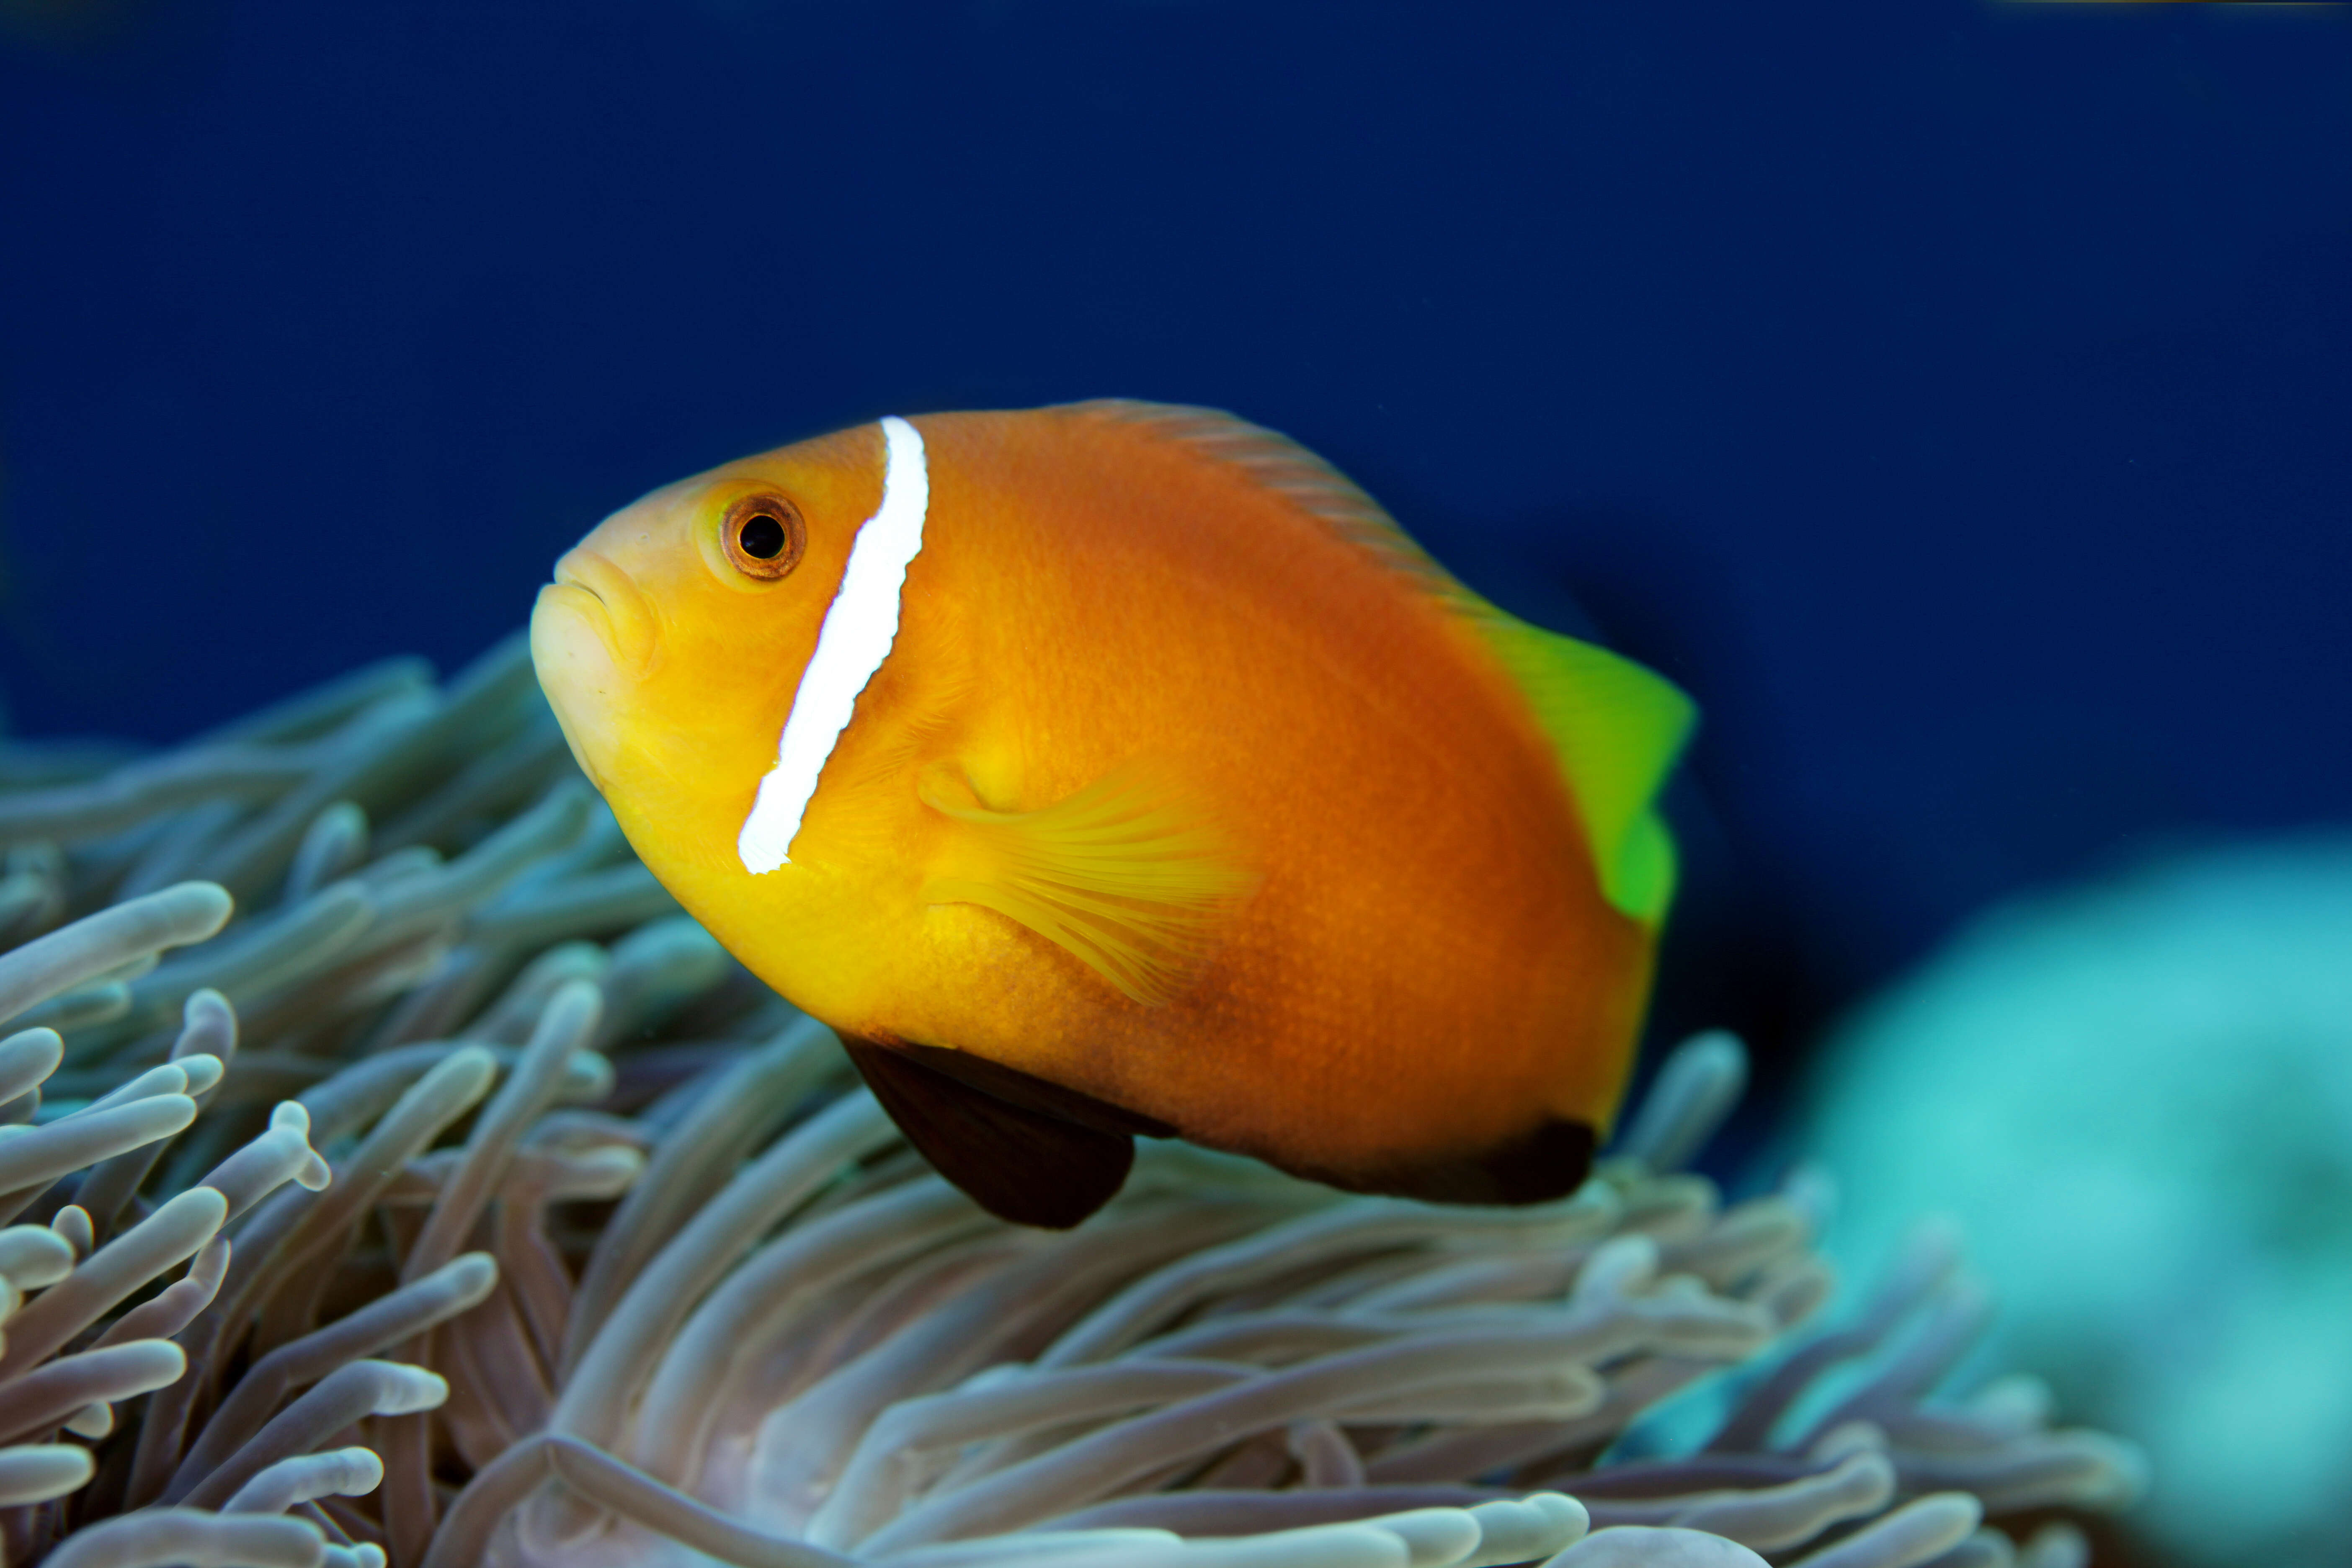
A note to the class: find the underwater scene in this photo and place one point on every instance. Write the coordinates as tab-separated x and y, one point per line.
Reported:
1175	783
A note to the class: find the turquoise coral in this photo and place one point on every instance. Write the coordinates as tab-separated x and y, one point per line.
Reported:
2137	1096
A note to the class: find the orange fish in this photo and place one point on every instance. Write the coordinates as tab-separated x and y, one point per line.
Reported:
1120	769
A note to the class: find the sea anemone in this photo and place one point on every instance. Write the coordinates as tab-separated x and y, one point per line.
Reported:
459	1201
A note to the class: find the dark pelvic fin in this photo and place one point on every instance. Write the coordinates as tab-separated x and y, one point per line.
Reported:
1033	1094
1023	1159
1549	1162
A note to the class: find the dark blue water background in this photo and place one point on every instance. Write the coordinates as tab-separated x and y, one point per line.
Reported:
1958	398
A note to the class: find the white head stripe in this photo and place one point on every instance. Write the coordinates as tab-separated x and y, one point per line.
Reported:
859	627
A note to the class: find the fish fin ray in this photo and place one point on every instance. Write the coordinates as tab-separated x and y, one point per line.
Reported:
1019	1162
1131	881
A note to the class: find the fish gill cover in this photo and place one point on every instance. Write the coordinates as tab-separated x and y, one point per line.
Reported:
390	1172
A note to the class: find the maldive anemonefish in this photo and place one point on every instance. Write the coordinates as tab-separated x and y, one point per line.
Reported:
1118	769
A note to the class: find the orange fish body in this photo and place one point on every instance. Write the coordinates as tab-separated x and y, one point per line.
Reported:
1187	797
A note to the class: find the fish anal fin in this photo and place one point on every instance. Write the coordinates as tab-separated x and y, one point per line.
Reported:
1019	1164
1130	878
1550	1162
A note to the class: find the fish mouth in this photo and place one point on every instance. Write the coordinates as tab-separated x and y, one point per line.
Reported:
611	602
593	635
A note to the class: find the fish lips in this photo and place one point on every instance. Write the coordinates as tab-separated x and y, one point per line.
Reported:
616	607
593	635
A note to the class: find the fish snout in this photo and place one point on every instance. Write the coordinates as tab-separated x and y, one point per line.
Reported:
593	635
613	605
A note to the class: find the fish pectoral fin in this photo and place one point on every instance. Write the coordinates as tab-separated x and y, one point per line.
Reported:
1131	878
1020	1164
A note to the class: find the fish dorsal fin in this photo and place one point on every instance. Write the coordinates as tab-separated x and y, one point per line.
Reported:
1617	729
1130	878
1615	726
1276	463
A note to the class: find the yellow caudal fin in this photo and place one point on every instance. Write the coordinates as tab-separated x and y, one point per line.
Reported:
1618	729
1129	879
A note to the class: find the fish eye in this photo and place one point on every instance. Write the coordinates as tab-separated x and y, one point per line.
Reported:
764	536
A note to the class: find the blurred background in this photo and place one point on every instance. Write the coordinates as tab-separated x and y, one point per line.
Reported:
1957	397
